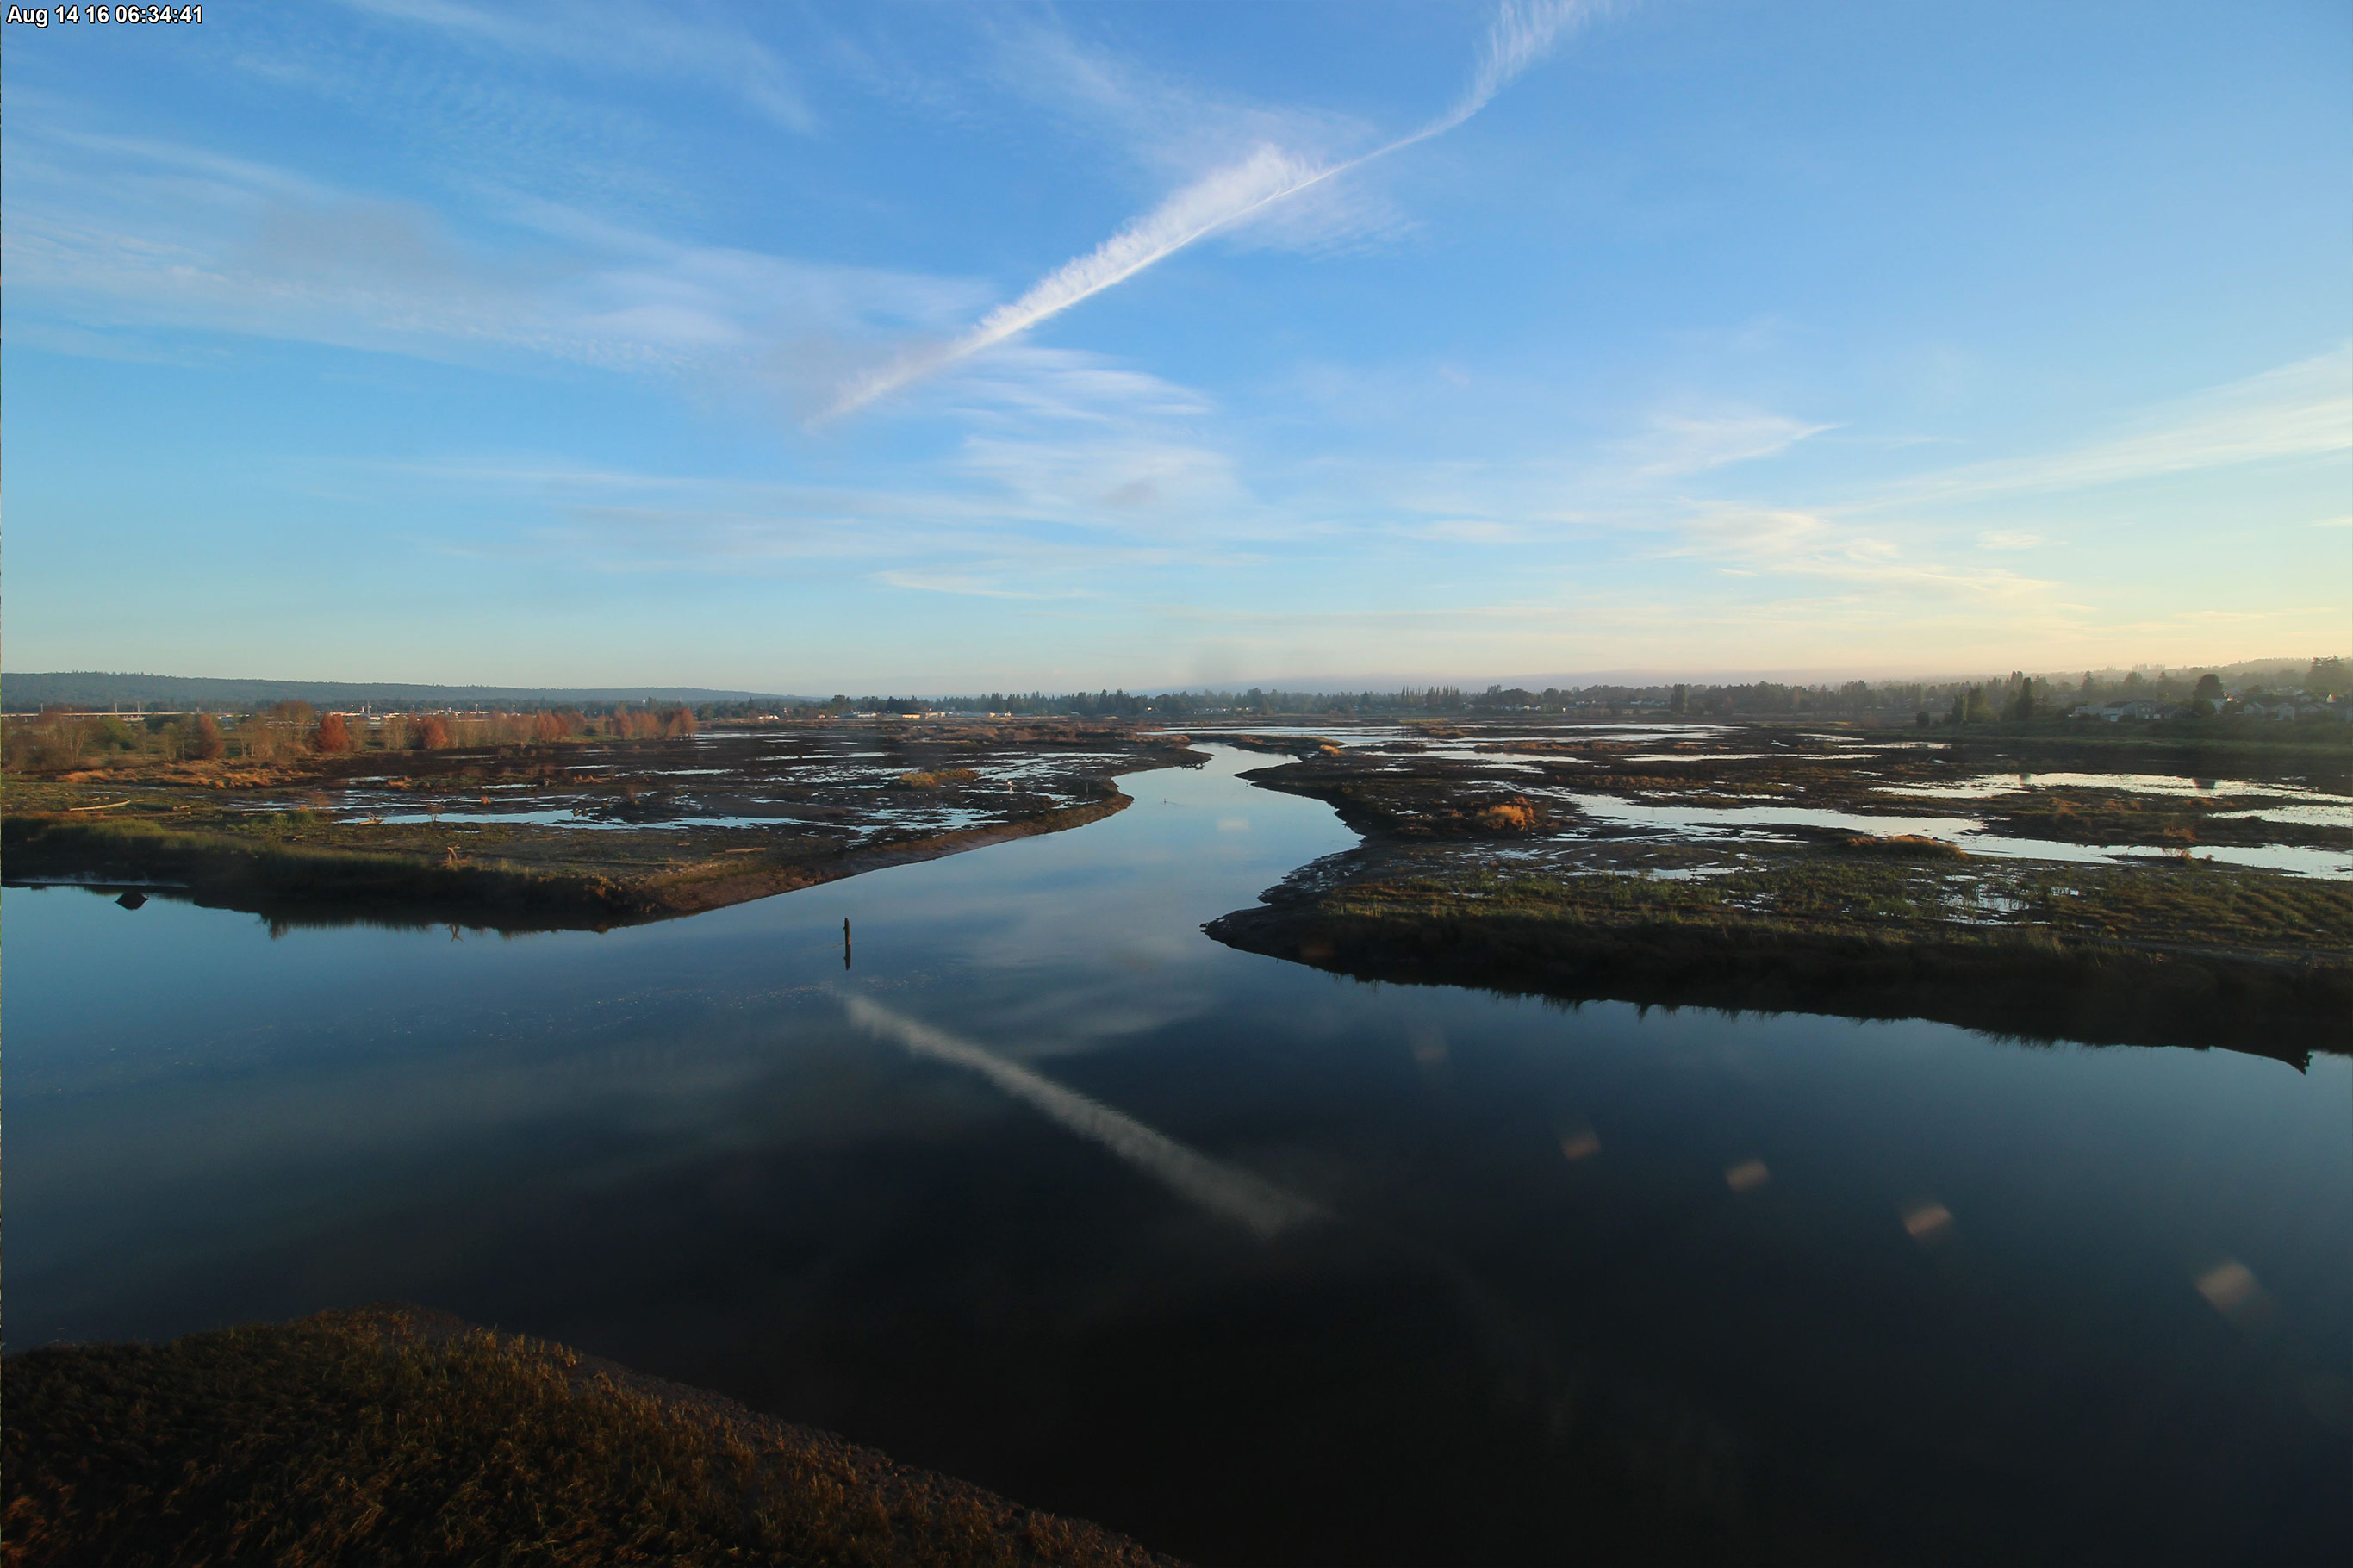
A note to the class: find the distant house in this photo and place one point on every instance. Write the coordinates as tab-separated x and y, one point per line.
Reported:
2294	707
2139	709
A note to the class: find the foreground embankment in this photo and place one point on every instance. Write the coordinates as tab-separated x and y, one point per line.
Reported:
393	1435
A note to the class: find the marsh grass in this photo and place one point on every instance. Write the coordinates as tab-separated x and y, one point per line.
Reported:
387	1435
2187	904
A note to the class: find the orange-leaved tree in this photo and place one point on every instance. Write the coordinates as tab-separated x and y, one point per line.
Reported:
331	735
206	742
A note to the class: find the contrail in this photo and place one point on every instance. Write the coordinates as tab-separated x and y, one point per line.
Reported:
1520	35
1224	1190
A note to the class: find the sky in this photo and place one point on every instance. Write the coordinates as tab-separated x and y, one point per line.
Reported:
949	347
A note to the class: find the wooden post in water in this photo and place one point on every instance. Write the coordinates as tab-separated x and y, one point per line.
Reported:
844	942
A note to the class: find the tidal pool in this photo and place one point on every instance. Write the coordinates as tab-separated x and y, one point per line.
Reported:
1967	833
1045	1189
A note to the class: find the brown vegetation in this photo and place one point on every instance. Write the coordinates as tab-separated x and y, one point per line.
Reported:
332	736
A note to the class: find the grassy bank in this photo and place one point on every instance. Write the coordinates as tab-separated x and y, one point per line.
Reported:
393	1436
2162	956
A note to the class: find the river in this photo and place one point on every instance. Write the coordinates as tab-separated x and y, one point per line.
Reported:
1046	1190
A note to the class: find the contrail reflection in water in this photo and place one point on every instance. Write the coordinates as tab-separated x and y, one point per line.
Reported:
1225	1191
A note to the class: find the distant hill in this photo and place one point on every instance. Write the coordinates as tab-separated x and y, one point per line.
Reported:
107	690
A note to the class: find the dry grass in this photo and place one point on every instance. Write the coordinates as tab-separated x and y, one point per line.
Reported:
385	1436
1905	846
1509	816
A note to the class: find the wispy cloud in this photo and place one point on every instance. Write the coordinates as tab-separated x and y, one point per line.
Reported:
2299	410
1520	35
622	38
113	232
1683	443
1469	531
1753	541
975	585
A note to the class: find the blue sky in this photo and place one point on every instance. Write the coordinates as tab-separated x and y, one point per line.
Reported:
951	347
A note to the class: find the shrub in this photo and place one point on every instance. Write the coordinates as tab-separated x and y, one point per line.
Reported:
938	779
206	742
1510	817
256	737
109	734
23	749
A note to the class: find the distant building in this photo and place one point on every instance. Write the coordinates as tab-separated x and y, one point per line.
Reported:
2295	706
2139	710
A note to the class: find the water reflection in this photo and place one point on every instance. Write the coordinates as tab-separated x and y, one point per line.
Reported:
1542	1318
1260	1207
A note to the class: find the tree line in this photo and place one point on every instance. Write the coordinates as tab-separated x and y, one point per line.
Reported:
62	738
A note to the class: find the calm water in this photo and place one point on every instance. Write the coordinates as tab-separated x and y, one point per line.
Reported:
1053	1193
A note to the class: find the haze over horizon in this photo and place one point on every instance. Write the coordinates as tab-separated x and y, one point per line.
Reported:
947	350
